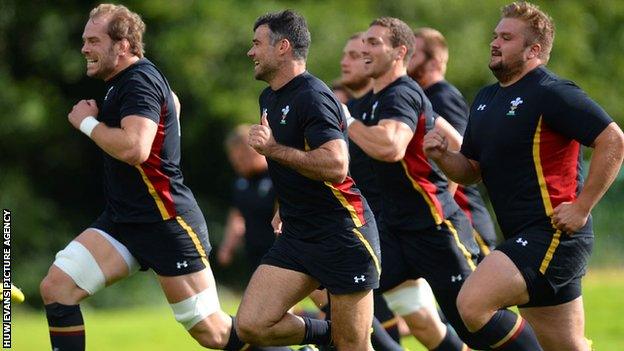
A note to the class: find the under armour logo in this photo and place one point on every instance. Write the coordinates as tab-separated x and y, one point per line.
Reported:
456	278
522	241
481	107
359	279
182	264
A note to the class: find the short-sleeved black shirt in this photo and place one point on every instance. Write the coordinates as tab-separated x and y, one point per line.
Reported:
526	138
449	103
304	114
154	190
254	197
413	190
360	164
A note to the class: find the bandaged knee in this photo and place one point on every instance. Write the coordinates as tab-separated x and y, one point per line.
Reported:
197	307
409	299
77	262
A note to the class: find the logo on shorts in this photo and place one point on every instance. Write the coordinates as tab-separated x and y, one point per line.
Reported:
481	107
182	264
522	242
514	105
456	278
359	279
285	111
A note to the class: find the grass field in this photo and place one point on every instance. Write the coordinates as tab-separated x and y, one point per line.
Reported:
154	328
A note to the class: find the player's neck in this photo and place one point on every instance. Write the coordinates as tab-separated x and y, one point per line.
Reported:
286	73
358	93
430	79
394	73
124	62
530	65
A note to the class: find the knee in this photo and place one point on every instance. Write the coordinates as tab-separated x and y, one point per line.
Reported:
424	319
209	339
469	310
56	288
251	330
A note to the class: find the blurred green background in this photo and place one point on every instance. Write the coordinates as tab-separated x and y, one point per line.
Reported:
50	174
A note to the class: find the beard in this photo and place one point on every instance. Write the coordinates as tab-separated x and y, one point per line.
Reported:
266	73
378	68
417	73
506	71
106	63
356	84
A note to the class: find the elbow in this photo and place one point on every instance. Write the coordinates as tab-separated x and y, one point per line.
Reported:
391	155
337	173
135	156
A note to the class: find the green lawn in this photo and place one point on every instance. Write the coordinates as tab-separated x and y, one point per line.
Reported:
154	328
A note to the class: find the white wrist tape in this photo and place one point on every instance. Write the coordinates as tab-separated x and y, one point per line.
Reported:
87	125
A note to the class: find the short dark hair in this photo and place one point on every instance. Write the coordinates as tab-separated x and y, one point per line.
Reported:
288	25
400	34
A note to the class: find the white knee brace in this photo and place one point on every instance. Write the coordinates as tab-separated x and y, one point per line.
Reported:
197	307
410	299
79	264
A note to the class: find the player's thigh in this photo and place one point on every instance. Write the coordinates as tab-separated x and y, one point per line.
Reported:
494	284
560	327
178	288
271	292
113	257
195	304
94	259
352	316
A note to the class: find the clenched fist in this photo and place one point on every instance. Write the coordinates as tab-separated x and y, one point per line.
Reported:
435	144
81	110
261	136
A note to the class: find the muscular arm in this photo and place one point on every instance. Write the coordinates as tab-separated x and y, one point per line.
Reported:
454	164
386	141
328	162
605	164
454	144
131	143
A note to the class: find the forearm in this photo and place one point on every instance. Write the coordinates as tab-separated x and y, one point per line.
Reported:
458	168
318	164
117	143
605	164
376	141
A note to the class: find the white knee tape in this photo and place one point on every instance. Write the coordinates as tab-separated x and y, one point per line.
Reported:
79	264
410	299
194	309
133	264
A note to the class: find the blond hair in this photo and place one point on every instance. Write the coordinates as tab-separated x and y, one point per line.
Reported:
123	24
434	45
540	26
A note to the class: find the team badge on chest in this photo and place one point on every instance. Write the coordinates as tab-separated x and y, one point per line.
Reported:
285	111
514	105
